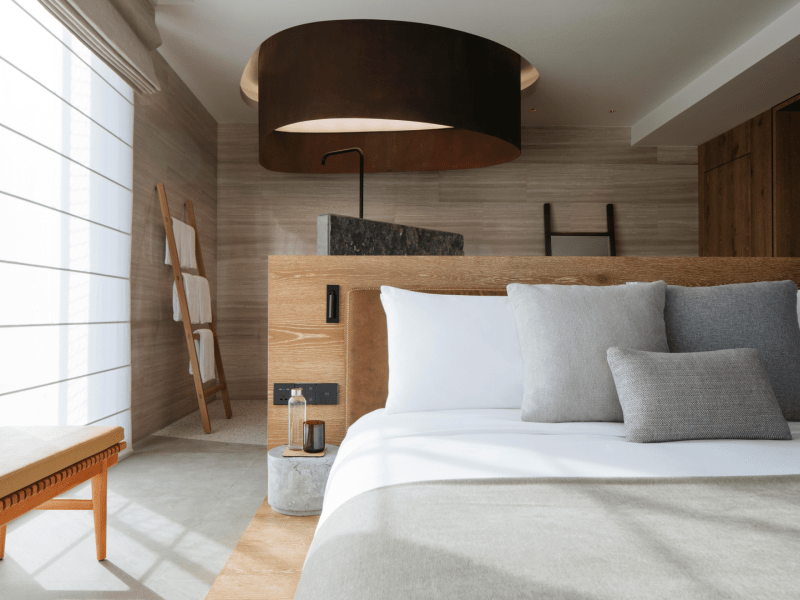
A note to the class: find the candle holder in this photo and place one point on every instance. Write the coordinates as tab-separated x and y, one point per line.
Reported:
313	436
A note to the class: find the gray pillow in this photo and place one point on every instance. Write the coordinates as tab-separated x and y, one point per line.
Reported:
696	396
565	331
744	315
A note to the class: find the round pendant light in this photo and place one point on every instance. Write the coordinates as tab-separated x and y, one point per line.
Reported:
413	97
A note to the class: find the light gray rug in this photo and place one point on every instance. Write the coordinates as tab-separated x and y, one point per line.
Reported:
247	426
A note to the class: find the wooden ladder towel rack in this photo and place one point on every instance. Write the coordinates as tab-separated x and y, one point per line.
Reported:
202	393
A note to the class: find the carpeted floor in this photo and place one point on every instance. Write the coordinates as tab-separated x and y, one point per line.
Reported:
247	426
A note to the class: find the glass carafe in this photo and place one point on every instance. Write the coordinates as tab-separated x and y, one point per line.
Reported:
297	416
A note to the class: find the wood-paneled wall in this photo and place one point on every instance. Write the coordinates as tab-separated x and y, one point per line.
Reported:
175	142
499	210
303	347
748	186
786	178
735	191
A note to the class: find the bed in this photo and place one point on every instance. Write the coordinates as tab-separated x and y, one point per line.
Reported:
476	503
390	449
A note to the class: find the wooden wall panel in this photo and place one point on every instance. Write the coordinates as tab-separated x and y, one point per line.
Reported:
499	210
175	142
727	217
728	147
735	191
786	178
302	347
702	206
761	186
677	155
751	207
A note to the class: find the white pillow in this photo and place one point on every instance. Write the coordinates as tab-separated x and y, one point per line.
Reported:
450	352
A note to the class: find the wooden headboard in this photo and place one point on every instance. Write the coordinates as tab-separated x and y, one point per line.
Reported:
304	348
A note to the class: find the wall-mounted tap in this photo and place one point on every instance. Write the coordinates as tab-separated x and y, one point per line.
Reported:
361	175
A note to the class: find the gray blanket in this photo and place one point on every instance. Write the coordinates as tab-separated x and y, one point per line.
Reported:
582	539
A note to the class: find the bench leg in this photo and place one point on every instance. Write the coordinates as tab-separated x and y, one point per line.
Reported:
99	496
2	542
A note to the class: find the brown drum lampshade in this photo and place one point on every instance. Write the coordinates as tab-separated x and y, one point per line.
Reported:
413	97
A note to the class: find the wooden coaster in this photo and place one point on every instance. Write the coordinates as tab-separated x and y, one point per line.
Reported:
288	452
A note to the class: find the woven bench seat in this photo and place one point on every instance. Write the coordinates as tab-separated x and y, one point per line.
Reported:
28	454
39	463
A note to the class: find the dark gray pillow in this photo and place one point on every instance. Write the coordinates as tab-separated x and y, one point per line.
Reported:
564	332
744	315
696	396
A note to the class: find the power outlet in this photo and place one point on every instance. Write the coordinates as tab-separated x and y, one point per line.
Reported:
281	393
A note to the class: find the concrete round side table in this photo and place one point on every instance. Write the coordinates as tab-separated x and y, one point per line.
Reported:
296	484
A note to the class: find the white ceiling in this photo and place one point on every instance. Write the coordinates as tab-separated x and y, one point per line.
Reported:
632	56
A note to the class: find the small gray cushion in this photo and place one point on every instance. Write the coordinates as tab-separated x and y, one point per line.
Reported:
745	315
696	396
565	331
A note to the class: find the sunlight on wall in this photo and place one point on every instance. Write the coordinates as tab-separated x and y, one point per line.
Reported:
66	130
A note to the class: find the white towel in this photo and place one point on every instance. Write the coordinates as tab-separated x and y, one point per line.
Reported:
184	242
205	355
190	285
198	297
204	299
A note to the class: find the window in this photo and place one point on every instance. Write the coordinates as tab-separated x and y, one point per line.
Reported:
66	129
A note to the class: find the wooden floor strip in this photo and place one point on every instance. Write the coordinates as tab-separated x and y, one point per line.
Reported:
267	562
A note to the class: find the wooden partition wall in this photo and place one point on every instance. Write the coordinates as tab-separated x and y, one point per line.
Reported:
498	210
304	348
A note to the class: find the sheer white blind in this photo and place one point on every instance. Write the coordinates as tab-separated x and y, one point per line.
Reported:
66	129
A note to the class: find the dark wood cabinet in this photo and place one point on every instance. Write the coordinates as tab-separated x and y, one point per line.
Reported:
786	181
749	187
728	207
735	190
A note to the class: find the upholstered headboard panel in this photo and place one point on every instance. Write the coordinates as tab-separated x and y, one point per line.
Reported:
367	366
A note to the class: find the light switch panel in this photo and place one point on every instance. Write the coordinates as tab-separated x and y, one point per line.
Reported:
309	391
327	393
314	393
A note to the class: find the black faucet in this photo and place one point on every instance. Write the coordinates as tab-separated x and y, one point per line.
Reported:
361	175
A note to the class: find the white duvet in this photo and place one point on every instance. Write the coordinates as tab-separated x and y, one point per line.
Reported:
385	449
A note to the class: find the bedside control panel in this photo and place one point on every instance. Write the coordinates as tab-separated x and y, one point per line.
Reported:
314	393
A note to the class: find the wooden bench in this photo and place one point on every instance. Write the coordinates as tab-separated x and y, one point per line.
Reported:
39	463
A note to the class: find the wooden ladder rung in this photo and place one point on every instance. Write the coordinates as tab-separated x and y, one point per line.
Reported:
214	390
